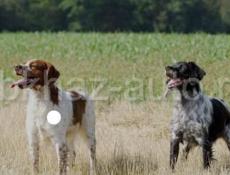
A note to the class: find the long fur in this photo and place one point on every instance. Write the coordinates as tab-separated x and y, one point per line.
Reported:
76	109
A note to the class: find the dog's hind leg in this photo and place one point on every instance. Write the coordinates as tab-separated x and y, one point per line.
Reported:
227	136
207	153
90	141
89	127
92	154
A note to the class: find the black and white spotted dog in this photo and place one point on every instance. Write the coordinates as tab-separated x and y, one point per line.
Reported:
197	119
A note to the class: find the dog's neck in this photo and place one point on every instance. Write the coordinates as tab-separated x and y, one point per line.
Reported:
47	93
189	92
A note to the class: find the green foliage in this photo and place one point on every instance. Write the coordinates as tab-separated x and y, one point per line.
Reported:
116	15
46	15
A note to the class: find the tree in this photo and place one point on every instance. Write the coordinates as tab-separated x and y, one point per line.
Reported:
116	15
225	13
100	15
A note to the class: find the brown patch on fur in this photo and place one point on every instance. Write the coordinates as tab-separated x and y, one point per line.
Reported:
53	73
79	104
44	71
54	94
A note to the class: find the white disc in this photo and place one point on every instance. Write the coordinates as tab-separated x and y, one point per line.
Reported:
53	117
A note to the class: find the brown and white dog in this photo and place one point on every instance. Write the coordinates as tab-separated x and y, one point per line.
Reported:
76	109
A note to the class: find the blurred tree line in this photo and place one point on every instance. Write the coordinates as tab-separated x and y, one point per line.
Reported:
116	15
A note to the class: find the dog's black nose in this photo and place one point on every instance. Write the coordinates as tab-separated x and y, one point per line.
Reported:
18	67
167	68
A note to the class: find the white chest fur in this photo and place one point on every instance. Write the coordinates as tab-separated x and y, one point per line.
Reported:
39	105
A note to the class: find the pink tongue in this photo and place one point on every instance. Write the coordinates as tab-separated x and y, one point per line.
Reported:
173	83
22	82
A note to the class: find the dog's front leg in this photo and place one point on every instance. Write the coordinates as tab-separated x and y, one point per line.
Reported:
33	140
62	154
186	149
174	151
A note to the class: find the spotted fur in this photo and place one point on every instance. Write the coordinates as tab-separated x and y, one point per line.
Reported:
197	120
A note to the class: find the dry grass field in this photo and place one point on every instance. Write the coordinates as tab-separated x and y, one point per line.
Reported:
132	135
131	140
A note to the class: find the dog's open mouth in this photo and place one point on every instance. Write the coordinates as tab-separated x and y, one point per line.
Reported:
173	83
24	82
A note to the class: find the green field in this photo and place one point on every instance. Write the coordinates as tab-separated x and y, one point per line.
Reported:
132	138
118	58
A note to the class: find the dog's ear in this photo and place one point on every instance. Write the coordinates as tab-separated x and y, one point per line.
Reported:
196	71
53	73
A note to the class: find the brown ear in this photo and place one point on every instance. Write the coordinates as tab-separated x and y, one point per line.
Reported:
53	73
196	70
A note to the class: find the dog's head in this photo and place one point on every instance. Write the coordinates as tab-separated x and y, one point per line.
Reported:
35	74
182	72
